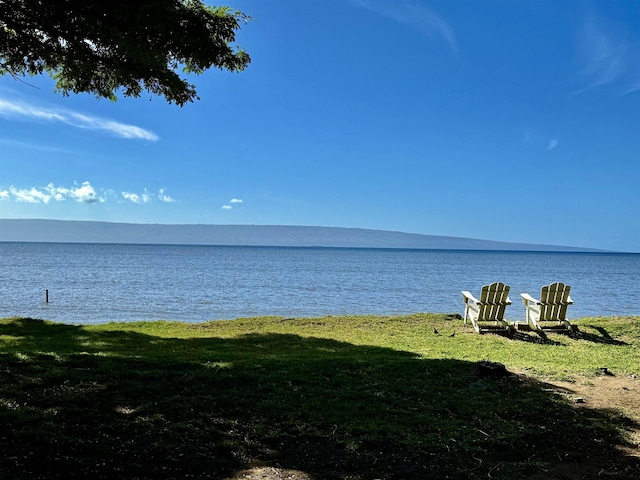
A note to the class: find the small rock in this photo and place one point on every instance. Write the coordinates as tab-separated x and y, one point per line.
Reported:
492	369
580	400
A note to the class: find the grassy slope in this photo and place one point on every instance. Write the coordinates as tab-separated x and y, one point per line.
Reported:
337	397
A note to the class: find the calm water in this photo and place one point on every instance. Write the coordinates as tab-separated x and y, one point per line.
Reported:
100	283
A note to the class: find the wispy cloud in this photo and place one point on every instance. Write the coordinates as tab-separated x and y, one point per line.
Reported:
414	15
607	56
83	193
527	137
147	197
21	110
34	146
632	88
538	141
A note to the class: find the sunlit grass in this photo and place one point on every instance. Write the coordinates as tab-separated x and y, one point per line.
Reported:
557	355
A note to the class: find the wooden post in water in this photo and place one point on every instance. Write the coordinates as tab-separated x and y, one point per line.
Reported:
46	295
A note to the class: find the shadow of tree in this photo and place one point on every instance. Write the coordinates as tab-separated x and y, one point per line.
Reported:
76	403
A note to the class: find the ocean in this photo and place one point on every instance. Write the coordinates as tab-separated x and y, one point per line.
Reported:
97	283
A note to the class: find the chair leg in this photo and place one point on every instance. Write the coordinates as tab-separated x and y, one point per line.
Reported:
531	321
476	327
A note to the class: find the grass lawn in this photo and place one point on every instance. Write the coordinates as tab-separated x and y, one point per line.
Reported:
364	397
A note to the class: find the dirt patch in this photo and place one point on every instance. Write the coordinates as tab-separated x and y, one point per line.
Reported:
607	392
270	473
604	391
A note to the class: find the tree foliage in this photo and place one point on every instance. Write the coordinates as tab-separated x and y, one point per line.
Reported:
107	46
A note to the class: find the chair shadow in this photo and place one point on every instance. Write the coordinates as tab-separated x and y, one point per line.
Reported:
541	336
80	403
604	336
534	336
538	337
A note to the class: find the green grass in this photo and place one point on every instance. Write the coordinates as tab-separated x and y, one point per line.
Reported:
336	397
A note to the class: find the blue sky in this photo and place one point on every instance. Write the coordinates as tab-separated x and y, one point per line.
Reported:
492	119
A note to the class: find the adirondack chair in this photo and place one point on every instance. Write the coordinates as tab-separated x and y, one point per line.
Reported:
487	314
550	312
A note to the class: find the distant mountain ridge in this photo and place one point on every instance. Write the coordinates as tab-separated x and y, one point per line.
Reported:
70	231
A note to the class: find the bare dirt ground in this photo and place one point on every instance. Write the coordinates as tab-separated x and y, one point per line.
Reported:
601	392
271	473
606	392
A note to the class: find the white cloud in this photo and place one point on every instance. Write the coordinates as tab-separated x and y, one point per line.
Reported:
137	198
413	14
232	202
16	109
31	195
147	197
84	194
164	197
553	143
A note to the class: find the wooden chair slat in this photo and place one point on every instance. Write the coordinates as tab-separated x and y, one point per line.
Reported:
551	308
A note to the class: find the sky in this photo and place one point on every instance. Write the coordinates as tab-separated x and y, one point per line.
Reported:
516	121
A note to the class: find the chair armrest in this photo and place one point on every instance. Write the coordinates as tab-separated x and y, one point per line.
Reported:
527	299
569	301
508	302
468	297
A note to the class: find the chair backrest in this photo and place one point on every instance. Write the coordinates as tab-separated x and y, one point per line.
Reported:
494	299
554	300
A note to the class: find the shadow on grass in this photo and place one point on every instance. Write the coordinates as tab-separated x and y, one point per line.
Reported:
537	337
541	337
76	403
604	336
531	336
